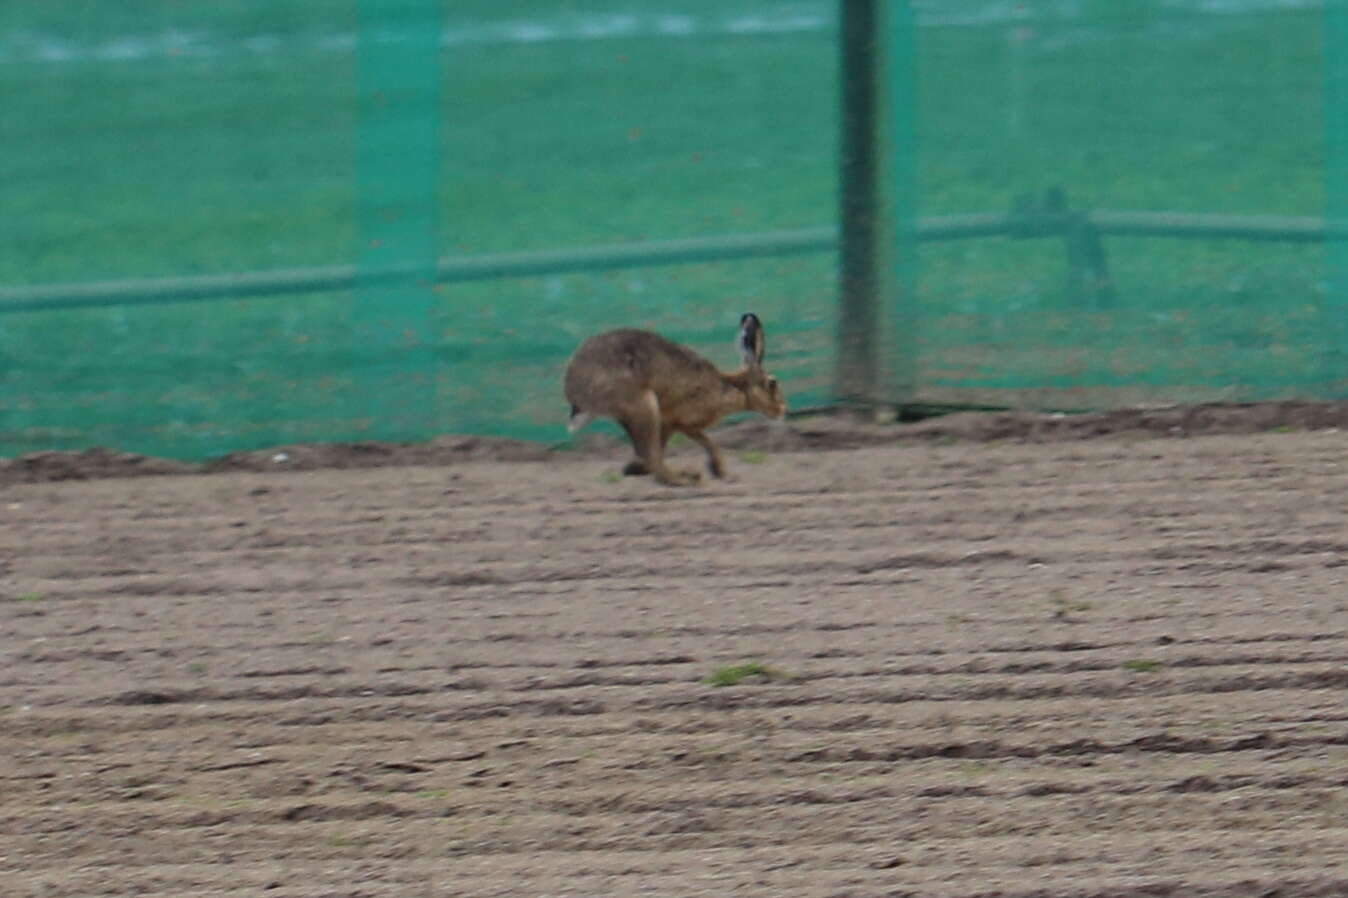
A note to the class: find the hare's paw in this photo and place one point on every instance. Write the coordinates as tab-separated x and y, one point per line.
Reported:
673	477
635	468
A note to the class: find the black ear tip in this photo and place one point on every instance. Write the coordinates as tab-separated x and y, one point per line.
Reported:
749	320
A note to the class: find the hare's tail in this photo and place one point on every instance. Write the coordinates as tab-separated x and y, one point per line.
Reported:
578	419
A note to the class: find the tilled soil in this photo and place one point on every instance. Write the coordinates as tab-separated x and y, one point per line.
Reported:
1070	668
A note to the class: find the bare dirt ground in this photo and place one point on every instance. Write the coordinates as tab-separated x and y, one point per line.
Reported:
1038	666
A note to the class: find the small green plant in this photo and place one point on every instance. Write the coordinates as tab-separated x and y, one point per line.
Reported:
1142	665
197	667
753	458
1063	607
29	597
611	477
733	674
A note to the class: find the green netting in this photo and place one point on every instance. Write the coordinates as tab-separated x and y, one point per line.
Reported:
398	156
166	140
1335	303
1199	123
224	219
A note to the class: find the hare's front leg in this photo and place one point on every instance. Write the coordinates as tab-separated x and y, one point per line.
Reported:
714	461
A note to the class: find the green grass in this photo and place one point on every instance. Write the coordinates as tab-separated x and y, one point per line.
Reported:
734	674
248	161
436	794
1141	665
1063	608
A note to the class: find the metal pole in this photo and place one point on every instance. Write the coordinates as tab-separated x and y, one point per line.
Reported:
860	254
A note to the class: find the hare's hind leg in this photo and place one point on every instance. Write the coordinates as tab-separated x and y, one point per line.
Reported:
642	423
715	463
636	467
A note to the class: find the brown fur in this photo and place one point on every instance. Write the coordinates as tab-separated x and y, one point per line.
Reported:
655	388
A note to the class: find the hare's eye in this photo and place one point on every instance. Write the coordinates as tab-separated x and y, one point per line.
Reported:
772	384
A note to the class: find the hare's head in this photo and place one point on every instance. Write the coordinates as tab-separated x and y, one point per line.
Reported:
761	391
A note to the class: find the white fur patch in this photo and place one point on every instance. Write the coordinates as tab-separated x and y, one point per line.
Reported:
578	420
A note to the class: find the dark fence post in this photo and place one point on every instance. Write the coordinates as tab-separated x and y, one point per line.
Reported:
876	219
859	260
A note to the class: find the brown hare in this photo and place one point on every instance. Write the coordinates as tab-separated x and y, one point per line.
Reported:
655	388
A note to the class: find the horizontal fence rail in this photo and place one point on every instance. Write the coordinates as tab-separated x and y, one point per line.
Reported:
448	271
669	252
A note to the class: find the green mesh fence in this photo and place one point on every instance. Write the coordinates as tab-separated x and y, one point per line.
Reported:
1334	337
331	151
240	224
1161	167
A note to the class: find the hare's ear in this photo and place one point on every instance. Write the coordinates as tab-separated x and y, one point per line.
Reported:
750	340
